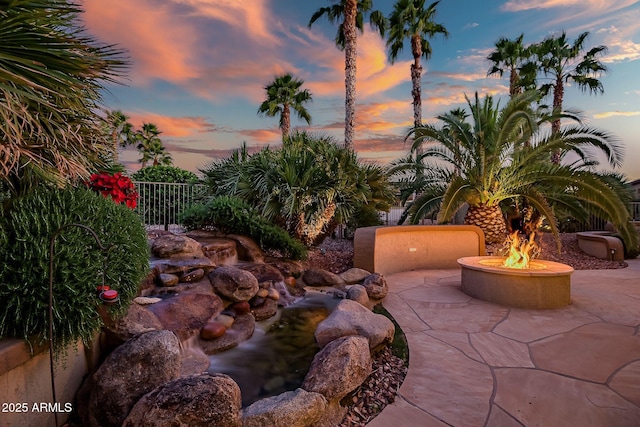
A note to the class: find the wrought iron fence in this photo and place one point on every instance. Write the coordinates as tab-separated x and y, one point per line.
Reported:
635	211
161	203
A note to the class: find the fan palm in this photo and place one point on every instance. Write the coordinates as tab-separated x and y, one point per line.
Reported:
151	147
410	20
284	94
564	63
496	166
51	76
120	131
511	56
350	14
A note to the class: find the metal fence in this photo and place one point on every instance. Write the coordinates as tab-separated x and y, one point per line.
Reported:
635	211
161	203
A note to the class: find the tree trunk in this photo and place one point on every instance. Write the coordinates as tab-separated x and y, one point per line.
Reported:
513	83
558	94
350	55
490	220
286	121
416	76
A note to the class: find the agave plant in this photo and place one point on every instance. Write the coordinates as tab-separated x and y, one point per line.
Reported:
502	156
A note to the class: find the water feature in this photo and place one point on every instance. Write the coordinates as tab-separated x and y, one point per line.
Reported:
278	355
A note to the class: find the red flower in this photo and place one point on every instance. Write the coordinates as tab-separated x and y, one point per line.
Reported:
118	187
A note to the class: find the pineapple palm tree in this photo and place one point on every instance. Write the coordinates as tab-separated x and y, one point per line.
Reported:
564	63
350	14
284	94
151	147
410	20
51	77
496	166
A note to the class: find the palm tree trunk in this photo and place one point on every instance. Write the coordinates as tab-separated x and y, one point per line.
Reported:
558	94
286	121
416	76
350	55
490	220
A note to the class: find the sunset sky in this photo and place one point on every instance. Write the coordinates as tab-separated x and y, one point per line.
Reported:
199	68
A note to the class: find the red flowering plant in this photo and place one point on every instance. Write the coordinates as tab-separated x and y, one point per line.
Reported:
117	186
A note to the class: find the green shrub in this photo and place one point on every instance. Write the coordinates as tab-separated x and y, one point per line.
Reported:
232	215
165	174
28	224
308	186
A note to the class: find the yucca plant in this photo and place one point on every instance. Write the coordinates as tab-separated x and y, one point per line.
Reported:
502	156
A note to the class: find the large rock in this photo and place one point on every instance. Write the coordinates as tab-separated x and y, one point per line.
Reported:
354	275
196	401
182	264
186	313
265	274
320	277
298	408
170	244
376	286
351	318
358	293
138	320
233	283
248	249
128	373
339	368
241	330
266	310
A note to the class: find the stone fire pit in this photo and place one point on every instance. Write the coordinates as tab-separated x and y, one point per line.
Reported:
545	284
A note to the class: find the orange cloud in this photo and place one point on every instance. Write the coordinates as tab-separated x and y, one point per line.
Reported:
157	42
177	127
263	136
608	114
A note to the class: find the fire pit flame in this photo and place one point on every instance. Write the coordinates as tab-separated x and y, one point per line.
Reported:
521	251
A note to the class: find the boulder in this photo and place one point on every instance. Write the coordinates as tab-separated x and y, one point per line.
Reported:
248	249
220	250
169	245
354	275
233	283
267	309
358	293
298	408
186	313
136	321
182	264
376	286
167	279
241	330
195	401
339	368
212	330
351	318
265	274
135	368
320	277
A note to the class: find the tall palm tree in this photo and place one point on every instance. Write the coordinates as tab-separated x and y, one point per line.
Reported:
151	147
510	55
51	77
410	20
350	14
283	94
497	167
564	63
119	130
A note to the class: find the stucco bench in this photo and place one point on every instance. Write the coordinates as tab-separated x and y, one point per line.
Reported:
392	249
601	244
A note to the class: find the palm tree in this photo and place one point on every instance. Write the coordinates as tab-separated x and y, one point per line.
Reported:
564	63
282	94
496	167
410	20
120	131
511	56
351	13
51	77
151	147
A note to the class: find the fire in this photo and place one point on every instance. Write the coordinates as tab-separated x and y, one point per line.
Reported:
521	251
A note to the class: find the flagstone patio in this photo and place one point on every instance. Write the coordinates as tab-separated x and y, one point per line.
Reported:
474	363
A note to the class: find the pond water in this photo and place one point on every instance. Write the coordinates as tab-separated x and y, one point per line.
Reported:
278	355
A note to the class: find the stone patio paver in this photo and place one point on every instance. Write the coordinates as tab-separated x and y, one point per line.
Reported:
473	363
